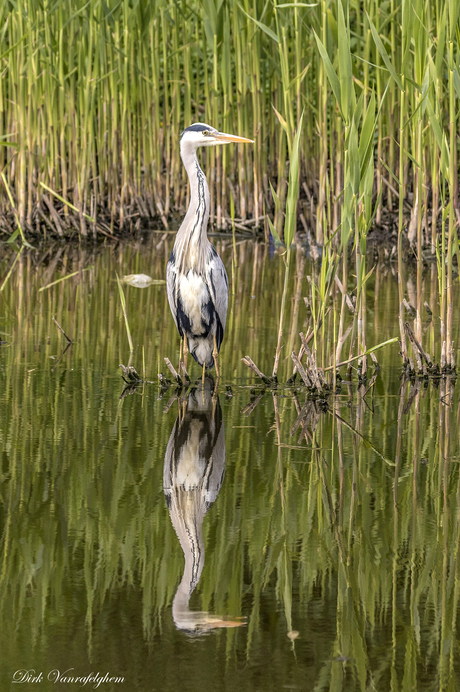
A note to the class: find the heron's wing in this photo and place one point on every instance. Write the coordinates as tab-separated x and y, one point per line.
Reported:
217	281
171	274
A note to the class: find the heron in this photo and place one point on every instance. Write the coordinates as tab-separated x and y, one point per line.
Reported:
196	280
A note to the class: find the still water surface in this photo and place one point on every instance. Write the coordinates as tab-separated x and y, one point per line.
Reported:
217	542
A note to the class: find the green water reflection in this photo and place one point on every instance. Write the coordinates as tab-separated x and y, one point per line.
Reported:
338	527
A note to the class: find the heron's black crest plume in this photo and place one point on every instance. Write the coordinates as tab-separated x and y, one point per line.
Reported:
197	127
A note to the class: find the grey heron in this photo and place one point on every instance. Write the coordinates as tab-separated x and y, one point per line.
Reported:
196	279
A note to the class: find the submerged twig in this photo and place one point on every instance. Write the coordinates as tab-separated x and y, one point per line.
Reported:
63	278
308	418
170	403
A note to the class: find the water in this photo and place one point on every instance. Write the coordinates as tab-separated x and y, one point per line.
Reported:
326	560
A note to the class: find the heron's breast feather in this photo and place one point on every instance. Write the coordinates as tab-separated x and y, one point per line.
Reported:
195	296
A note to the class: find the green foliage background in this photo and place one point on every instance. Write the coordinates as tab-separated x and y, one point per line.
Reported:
94	95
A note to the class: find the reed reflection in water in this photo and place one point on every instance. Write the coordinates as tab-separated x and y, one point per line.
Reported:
193	473
339	523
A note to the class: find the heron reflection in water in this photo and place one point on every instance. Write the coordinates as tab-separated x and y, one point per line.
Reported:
193	472
196	279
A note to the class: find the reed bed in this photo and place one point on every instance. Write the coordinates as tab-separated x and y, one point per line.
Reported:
93	100
353	109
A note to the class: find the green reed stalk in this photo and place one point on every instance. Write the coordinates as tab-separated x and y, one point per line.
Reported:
289	224
400	81
125	315
421	71
18	222
452	184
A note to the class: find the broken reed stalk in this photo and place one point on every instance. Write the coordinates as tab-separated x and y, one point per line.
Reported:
185	373
173	371
61	330
318	377
301	370
311	375
250	363
417	348
130	375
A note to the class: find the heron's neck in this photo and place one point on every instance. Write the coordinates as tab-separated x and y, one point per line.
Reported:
191	240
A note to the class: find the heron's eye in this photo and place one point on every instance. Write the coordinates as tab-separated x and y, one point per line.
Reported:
206	133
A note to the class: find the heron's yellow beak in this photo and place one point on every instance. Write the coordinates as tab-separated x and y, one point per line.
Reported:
224	138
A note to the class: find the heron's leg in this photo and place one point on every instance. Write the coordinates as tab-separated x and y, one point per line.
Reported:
183	360
215	354
202	377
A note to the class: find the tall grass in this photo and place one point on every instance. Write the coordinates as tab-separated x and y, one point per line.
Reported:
93	99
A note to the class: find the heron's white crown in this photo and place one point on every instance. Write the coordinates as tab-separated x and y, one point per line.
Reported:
203	135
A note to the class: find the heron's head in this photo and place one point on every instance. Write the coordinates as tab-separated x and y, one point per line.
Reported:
202	135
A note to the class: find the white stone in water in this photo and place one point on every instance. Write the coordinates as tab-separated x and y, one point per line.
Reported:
140	280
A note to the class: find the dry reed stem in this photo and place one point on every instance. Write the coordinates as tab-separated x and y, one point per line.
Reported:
344	293
250	363
415	343
300	369
318	377
173	371
61	330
